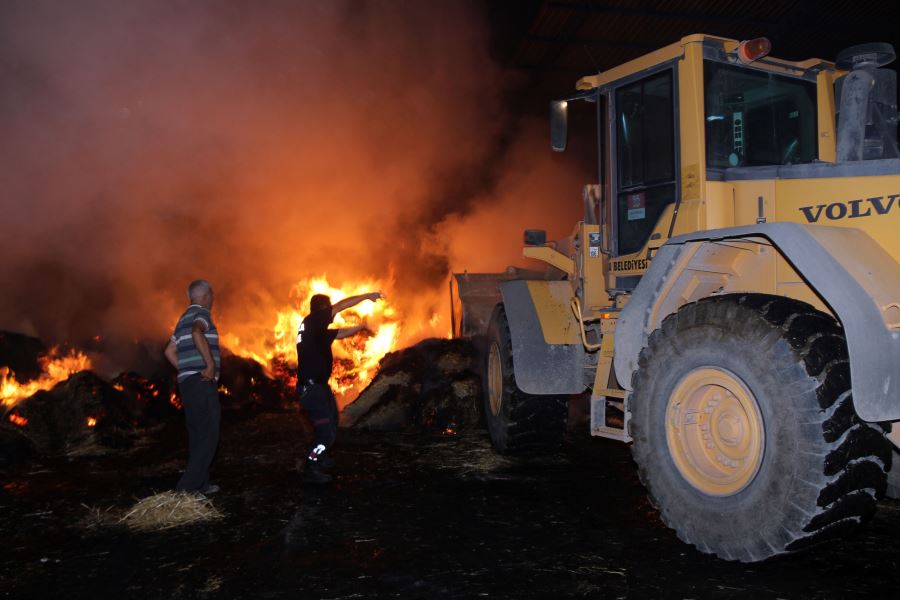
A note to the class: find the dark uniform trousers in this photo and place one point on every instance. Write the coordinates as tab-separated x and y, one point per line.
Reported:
319	402
201	411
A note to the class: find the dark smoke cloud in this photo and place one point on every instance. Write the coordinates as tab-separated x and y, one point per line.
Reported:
147	143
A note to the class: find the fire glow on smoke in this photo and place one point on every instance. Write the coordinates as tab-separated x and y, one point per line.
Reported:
251	158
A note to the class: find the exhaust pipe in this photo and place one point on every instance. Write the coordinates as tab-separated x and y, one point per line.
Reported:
867	113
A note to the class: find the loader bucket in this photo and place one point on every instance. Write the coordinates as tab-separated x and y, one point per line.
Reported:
473	297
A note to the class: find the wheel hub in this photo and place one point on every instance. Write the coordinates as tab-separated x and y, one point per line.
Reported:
714	431
495	379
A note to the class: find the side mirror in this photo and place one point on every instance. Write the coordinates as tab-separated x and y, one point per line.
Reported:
559	124
535	237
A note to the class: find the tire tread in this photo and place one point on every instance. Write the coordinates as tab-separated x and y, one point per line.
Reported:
534	424
854	455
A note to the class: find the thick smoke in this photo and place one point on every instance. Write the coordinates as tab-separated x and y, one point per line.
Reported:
146	144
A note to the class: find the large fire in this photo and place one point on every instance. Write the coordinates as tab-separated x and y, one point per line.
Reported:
355	358
57	367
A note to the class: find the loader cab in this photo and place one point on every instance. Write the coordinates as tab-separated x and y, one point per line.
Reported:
671	120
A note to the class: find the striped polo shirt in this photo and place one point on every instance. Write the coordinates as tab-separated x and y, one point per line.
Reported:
190	361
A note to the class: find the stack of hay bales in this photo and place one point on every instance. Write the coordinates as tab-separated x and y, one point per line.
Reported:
59	419
433	386
87	415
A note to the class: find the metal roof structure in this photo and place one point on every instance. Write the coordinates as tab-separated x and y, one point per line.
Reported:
557	41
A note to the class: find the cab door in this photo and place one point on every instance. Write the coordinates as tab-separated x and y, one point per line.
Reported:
643	131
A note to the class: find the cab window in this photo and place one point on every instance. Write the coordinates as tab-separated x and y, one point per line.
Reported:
756	118
645	153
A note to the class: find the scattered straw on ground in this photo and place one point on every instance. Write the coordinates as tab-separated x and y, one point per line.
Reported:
98	518
170	509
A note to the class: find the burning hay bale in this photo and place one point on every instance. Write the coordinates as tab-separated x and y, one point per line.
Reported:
41	400
170	509
144	401
81	415
245	382
52	404
432	386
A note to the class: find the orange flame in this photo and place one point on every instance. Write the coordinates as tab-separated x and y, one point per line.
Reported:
91	421
355	358
56	368
17	420
175	401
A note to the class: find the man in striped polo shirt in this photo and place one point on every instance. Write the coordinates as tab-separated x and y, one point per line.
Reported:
194	351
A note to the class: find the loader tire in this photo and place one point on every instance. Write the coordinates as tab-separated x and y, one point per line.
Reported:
744	429
518	423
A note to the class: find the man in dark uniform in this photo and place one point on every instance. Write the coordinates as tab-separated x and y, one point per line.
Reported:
313	372
194	350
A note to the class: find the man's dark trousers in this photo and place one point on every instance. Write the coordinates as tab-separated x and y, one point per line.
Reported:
319	403
201	412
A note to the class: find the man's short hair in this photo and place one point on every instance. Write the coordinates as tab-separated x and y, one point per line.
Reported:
198	289
319	302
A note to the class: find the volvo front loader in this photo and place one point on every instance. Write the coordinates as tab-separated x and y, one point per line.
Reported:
731	300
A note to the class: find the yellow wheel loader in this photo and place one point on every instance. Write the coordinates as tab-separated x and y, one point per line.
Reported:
731	300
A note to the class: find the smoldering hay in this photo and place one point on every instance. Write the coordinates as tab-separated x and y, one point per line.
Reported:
147	143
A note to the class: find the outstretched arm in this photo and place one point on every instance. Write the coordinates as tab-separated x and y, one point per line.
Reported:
346	332
353	301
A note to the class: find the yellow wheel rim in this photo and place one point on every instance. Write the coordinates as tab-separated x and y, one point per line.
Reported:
714	431
495	379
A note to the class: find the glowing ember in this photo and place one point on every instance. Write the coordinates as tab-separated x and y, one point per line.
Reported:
119	386
91	421
17	420
56	368
175	401
355	358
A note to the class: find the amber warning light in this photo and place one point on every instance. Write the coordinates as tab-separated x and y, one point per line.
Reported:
751	50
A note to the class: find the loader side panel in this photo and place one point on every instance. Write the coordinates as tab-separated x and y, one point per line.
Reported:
540	325
856	279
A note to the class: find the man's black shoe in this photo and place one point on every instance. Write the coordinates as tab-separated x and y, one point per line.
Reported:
325	462
314	474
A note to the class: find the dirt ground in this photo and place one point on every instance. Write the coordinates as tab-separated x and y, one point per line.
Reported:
410	516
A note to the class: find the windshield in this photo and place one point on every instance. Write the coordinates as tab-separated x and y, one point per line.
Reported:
757	118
